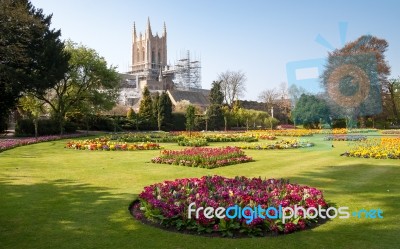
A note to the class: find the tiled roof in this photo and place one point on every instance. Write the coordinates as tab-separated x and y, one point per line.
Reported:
194	97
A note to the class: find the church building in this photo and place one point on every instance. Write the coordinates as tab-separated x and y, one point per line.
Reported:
150	69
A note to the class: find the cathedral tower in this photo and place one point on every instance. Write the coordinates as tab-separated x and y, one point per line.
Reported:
149	58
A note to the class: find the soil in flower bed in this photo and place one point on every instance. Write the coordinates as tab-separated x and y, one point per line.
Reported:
165	205
203	157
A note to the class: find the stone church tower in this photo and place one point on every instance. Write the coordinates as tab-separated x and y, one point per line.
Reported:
149	60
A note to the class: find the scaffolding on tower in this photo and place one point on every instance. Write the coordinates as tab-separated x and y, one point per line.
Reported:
187	73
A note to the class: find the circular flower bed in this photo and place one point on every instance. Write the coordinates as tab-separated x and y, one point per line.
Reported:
105	145
171	204
203	157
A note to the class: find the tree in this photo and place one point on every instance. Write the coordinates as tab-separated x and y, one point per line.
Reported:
190	118
392	90
311	111
261	116
32	58
129	113
34	107
245	115
206	117
182	105
165	109
215	109
235	113
271	122
89	86
232	85
158	116
146	108
227	114
257	116
294	93
355	75
284	103
269	97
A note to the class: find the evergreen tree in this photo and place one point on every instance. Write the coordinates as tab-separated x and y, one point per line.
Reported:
146	109
216	121
129	113
190	118
311	111
32	55
165	109
157	115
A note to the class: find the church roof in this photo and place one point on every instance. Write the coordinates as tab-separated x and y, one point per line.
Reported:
200	97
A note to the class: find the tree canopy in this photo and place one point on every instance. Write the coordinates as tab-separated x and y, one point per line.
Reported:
146	109
311	111
232	85
32	56
354	77
89	86
190	118
216	120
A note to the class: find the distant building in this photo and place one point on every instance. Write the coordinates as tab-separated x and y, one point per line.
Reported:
198	98
150	69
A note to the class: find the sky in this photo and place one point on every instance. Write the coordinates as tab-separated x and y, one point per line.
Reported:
266	40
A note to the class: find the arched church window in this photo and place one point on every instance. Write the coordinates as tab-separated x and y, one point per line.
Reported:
159	58
153	59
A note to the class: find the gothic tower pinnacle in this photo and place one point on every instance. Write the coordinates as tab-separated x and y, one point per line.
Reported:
148	30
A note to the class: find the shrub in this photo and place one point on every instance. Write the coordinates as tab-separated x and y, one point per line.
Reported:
194	142
25	127
178	121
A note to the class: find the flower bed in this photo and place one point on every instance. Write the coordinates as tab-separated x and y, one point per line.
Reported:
218	136
230	138
203	157
282	144
345	138
6	144
290	133
344	131
391	132
167	203
285	126
157	137
266	137
105	145
194	142
384	148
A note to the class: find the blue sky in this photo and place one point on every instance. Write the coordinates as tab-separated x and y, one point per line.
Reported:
259	38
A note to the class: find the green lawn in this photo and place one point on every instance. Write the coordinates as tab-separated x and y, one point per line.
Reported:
53	197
